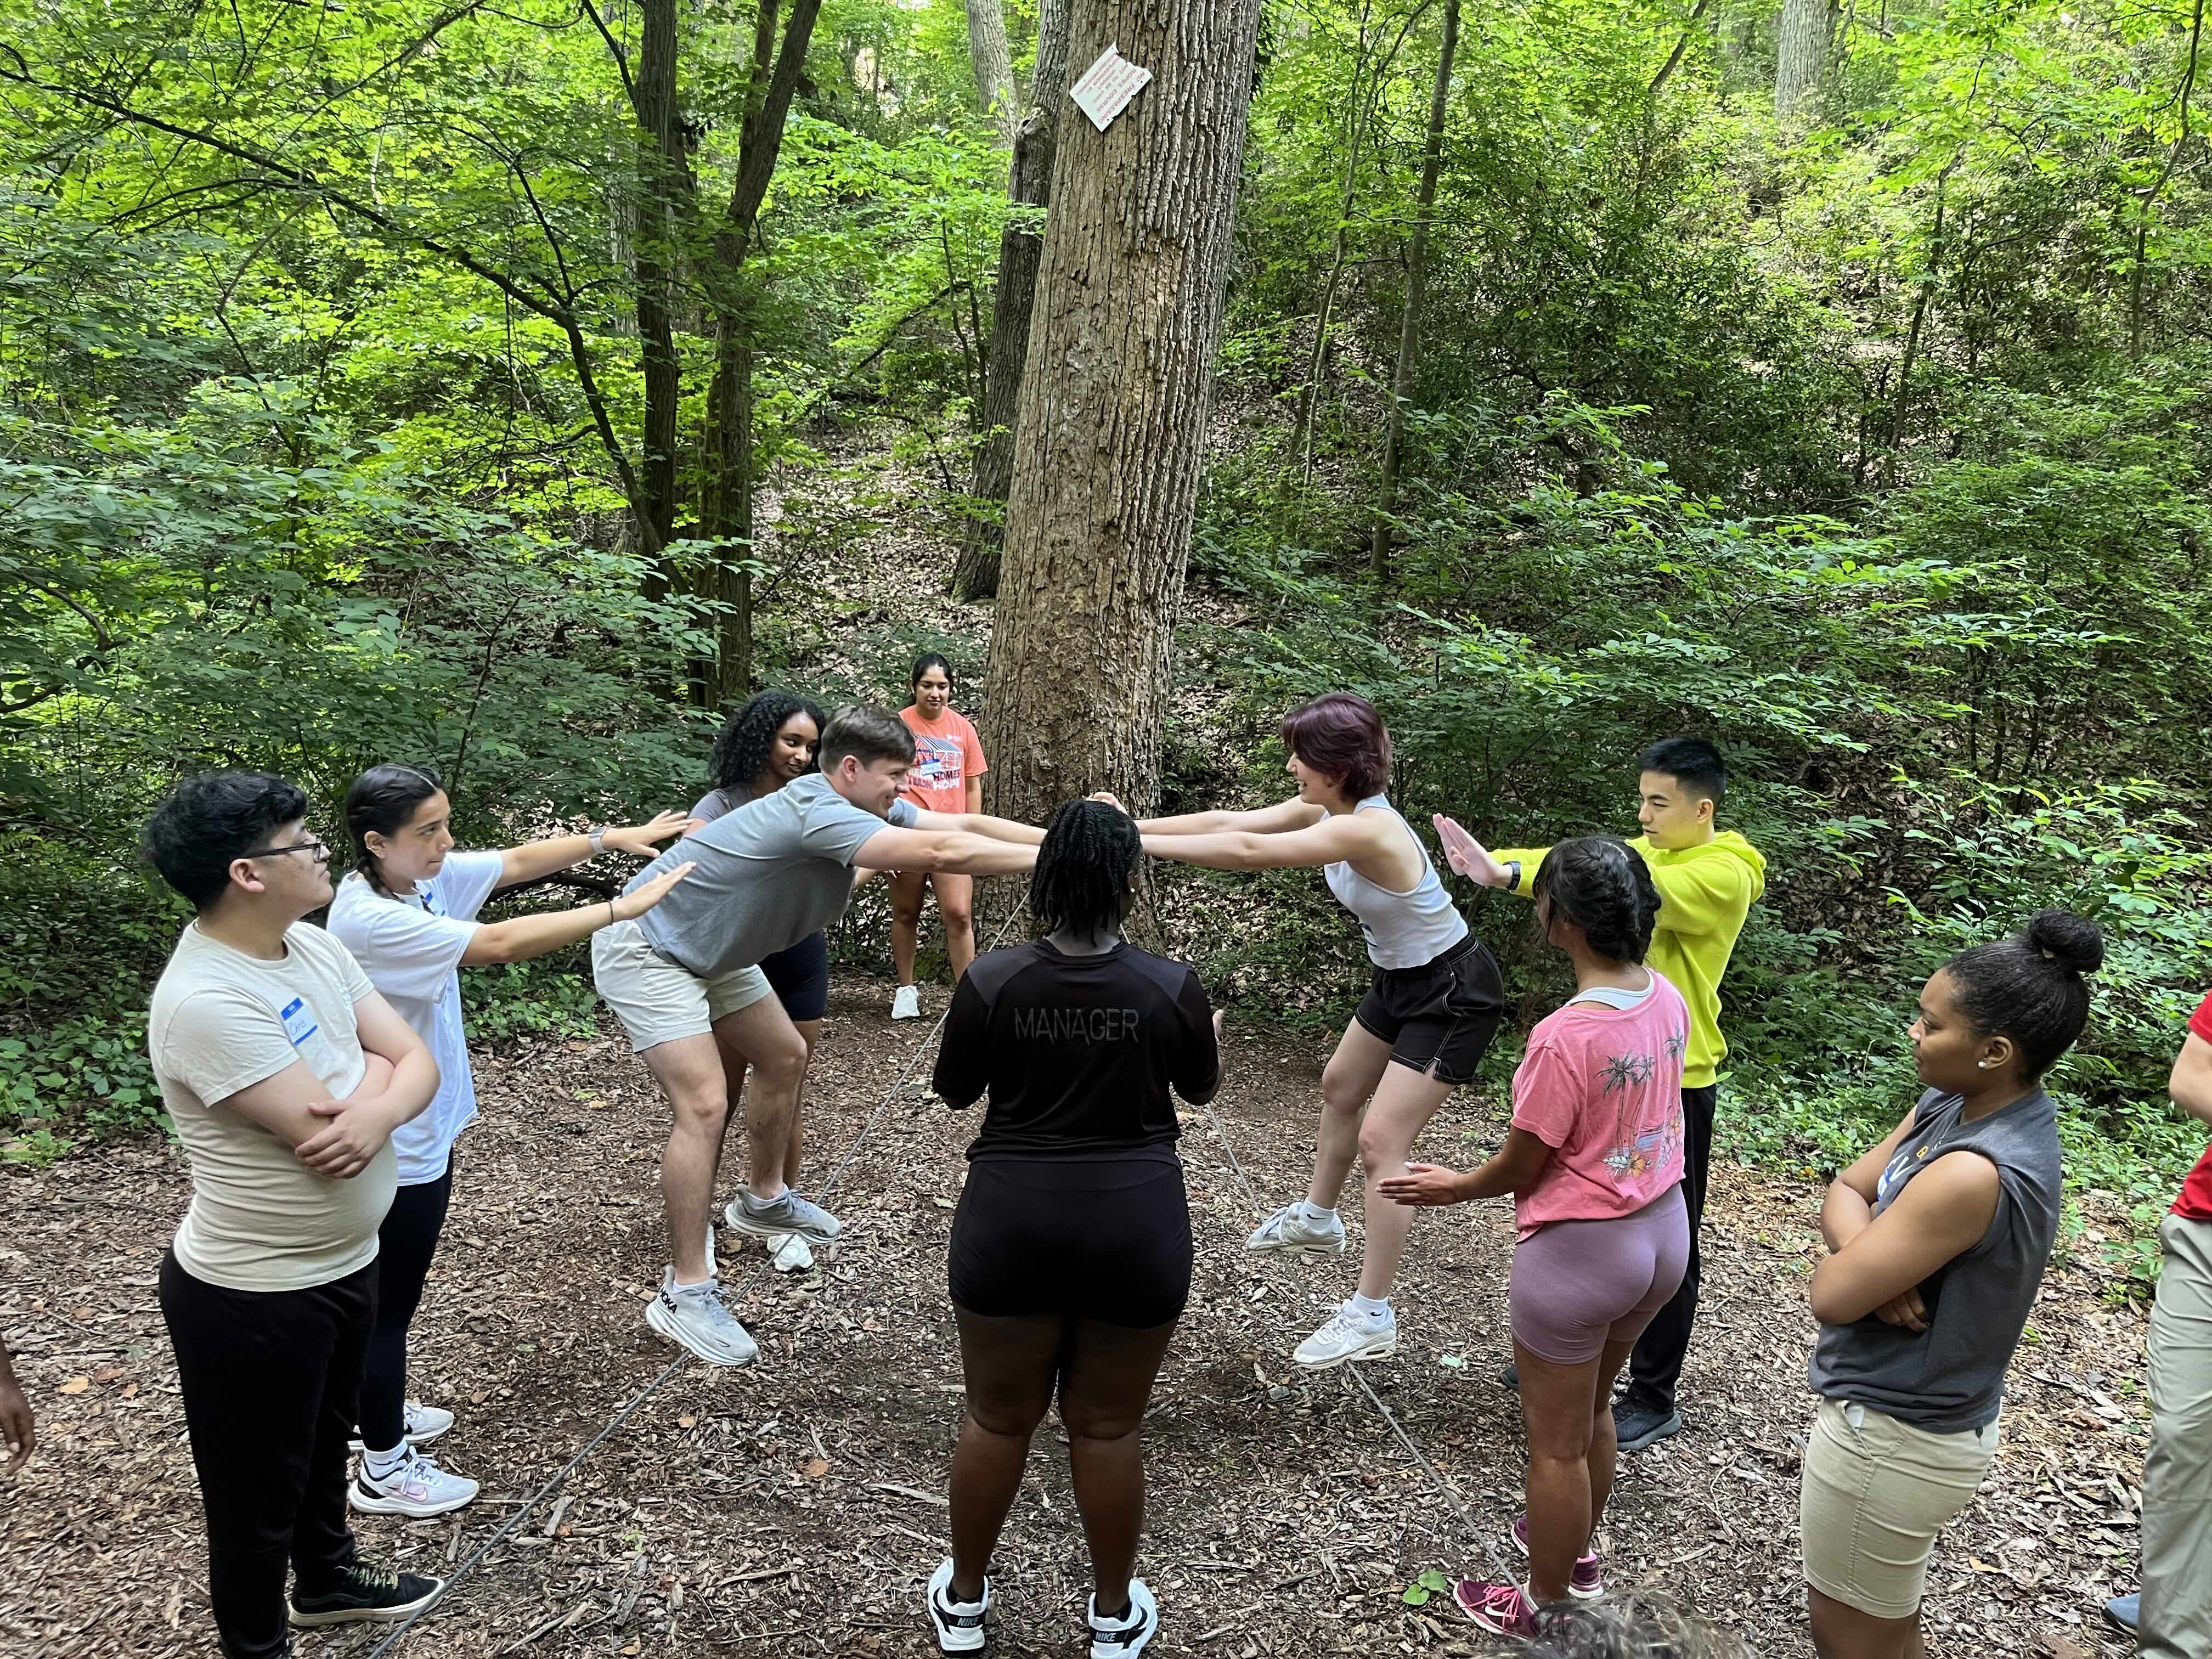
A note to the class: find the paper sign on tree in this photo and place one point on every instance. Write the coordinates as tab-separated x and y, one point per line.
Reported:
1107	86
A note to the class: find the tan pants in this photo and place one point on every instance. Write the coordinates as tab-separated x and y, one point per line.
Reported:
1875	1493
2177	1492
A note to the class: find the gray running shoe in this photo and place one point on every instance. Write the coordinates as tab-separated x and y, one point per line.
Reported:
789	1214
693	1315
1349	1336
1289	1230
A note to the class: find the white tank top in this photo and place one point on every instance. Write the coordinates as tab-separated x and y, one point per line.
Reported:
1404	930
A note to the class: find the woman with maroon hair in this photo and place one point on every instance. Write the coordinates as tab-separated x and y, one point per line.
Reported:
1424	1026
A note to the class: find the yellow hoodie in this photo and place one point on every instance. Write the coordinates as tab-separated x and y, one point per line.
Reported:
1704	893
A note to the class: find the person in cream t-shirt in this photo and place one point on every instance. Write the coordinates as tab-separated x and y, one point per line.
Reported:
286	1074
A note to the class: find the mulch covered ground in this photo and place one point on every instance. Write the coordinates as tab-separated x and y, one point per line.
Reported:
796	1508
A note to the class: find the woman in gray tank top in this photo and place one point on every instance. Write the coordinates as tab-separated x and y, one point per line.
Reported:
1940	1238
1432	1005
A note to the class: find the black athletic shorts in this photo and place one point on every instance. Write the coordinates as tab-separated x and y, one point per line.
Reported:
801	977
1105	1238
1438	1018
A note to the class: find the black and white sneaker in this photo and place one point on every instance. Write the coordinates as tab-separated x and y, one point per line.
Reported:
1125	1637
959	1624
365	1594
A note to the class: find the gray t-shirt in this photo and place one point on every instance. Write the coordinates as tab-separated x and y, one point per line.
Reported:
770	873
1950	1378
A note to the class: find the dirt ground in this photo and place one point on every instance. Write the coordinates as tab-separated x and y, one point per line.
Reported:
795	1507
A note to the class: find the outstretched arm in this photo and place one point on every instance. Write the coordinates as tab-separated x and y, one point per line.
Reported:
535	859
1331	841
980	823
1513	1169
952	852
521	938
1292	814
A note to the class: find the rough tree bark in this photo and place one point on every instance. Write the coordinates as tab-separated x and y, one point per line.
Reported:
662	175
994	67
1416	283
1802	54
1112	434
975	574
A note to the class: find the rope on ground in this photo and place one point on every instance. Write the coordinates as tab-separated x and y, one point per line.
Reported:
828	1185
1476	1534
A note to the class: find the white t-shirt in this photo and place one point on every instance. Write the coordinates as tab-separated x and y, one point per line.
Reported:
221	1020
410	948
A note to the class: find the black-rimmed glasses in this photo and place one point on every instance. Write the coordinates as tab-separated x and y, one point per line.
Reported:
313	844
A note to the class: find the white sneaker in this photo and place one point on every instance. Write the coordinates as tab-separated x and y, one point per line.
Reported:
790	1254
788	1214
693	1315
423	1423
416	1487
1350	1334
1124	1638
906	1003
959	1624
1289	1228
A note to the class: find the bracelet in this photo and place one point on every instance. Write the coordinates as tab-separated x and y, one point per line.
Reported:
1513	875
598	840
612	917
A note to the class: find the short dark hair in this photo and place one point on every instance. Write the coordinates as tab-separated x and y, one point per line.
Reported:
868	734
1625	1627
741	752
928	660
1341	736
206	822
1691	762
382	800
1082	876
1599	884
2029	987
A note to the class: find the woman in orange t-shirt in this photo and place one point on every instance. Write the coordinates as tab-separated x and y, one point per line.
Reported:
947	777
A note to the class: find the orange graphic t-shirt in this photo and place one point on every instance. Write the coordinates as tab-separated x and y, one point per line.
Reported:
946	755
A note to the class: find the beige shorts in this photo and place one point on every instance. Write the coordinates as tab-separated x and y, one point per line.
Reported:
1875	1493
658	1001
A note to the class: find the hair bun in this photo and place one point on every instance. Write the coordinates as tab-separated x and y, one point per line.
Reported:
2074	943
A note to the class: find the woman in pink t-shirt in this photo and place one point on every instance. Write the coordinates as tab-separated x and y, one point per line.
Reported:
1594	1161
947	777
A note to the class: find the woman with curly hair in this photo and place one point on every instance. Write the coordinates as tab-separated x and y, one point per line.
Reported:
1594	1161
769	741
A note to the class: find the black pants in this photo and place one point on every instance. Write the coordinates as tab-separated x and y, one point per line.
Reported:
404	1245
1656	1365
270	1380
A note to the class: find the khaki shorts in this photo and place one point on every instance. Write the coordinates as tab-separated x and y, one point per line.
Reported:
658	1001
1875	1493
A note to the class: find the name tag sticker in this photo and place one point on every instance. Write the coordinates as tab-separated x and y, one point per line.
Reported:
299	1021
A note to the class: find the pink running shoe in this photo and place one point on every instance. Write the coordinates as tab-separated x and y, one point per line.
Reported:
1587	1582
1500	1608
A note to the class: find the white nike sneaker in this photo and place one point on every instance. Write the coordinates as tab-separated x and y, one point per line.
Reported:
959	1624
906	1003
1125	1637
790	1254
423	1423
416	1488
1289	1228
1350	1334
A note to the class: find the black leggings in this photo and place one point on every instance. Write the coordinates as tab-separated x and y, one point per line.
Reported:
404	1244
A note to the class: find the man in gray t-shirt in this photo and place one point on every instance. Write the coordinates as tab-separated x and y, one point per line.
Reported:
686	984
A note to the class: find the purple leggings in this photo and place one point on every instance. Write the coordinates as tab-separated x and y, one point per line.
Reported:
1580	1284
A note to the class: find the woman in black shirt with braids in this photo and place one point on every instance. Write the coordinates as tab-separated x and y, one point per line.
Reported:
1071	1251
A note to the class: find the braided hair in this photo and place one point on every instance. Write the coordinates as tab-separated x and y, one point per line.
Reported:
382	801
748	737
1598	883
2029	987
1081	881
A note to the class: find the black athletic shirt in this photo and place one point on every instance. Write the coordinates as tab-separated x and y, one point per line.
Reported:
1076	1053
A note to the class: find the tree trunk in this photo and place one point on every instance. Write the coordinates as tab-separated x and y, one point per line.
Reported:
1925	293
661	171
1416	283
1801	55
1112	436
975	574
995	68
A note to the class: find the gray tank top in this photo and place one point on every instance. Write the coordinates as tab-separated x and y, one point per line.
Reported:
1950	1378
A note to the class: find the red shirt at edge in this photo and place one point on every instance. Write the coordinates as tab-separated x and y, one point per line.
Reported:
2195	1203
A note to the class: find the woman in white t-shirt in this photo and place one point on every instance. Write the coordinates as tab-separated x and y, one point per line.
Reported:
408	914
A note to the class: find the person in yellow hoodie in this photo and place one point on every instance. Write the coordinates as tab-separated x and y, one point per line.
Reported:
1708	880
